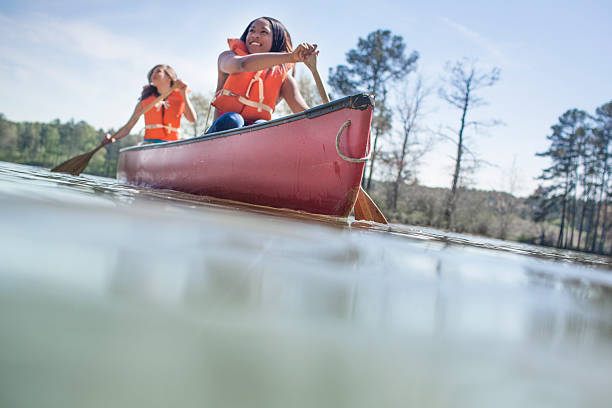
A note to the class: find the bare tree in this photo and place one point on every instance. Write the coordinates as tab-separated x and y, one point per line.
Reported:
505	204
201	104
404	159
463	80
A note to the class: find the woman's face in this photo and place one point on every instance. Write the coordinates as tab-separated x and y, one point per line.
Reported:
259	37
160	77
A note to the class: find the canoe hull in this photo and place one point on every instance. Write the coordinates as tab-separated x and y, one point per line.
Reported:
287	163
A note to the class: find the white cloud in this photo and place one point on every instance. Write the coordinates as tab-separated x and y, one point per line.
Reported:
97	72
494	50
80	38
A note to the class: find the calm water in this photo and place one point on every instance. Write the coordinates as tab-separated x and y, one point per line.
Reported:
113	296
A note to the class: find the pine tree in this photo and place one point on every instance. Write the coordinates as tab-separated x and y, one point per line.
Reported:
378	60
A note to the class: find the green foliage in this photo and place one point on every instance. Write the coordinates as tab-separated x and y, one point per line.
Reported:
378	58
49	144
576	187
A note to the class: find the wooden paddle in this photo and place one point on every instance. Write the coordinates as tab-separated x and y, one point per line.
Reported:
77	164
365	208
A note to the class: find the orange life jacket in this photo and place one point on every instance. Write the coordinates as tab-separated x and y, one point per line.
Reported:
251	94
163	121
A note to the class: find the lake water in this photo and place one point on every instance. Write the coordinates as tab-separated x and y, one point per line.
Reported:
116	296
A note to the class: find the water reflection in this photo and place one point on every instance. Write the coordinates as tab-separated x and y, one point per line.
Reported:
116	296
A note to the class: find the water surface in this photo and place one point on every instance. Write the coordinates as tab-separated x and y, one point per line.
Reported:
111	295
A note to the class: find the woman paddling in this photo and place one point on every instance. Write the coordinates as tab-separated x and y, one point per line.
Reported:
163	121
253	75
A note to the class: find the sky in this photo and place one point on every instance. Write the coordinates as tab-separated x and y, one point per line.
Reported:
88	60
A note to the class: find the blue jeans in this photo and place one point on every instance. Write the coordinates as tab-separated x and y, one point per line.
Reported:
230	120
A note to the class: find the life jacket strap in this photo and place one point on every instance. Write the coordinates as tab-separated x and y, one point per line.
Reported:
257	78
159	126
259	105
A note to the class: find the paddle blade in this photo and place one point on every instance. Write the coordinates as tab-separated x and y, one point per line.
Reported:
76	165
365	209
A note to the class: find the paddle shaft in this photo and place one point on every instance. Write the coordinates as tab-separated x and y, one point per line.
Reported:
365	208
319	83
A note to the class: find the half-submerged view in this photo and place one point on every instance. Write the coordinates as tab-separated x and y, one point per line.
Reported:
245	239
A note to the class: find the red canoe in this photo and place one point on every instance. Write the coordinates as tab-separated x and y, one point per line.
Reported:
311	161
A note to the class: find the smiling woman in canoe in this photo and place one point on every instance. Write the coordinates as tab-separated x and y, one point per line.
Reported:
253	75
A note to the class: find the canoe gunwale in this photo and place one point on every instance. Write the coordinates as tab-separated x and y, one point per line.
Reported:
359	101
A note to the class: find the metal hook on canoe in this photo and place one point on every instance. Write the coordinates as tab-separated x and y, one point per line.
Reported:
349	159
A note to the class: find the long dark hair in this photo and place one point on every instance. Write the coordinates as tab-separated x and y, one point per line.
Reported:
149	89
281	40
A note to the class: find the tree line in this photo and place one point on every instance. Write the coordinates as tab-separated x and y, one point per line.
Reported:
576	188
48	144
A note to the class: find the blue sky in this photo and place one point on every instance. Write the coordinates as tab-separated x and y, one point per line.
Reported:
88	61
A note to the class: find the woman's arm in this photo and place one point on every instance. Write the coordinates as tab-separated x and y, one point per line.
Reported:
291	92
231	63
190	113
125	130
